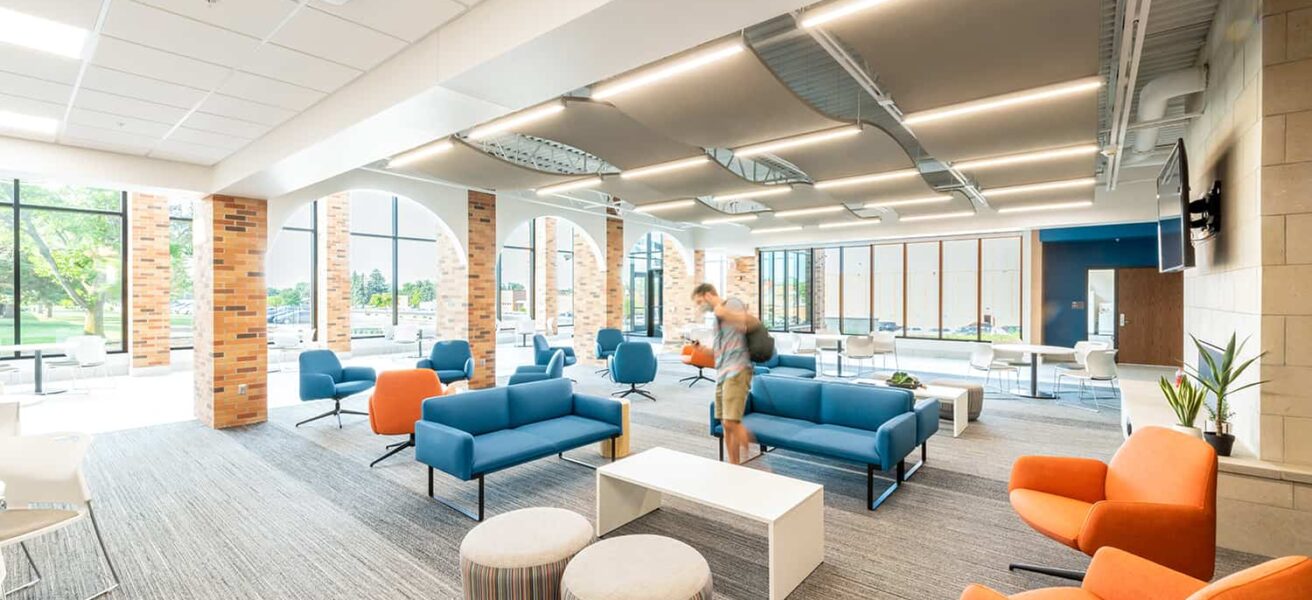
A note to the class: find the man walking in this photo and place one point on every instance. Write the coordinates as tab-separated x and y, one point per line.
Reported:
733	366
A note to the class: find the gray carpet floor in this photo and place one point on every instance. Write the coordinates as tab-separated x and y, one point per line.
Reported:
273	511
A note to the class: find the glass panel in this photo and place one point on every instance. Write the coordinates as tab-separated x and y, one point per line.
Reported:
371	285
922	289
289	269
181	305
65	196
181	207
828	299
71	267
779	292
6	190
640	303
416	274
565	285
415	220
799	302
856	290
515	283
715	270
520	237
6	274
960	294
303	218
888	288
371	212
1000	288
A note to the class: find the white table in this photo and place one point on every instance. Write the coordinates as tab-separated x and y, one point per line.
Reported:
793	509
959	397
37	350
1036	352
837	339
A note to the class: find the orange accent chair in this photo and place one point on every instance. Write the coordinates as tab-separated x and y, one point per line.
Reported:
1118	575
701	357
1156	499
397	403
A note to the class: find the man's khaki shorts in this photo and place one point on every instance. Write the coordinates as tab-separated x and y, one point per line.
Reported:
731	396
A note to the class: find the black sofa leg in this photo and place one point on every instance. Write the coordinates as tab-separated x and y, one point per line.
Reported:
451	505
924	456
871	501
721	444
1070	574
612	449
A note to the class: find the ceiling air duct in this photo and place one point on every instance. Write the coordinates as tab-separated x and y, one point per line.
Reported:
1156	94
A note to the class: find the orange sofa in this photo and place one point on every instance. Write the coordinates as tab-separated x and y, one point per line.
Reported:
397	403
702	357
1118	575
1156	499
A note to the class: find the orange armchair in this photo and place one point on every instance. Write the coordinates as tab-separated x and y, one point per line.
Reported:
397	403
701	357
1156	499
1118	575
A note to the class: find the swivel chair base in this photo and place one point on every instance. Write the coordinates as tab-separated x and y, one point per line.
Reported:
1070	574
394	448
337	411
633	389
695	378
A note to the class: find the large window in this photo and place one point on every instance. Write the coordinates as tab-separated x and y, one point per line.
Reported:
515	274
564	273
181	299
290	271
643	293
394	268
966	289
68	276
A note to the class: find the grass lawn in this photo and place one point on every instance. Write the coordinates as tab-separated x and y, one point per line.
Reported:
62	325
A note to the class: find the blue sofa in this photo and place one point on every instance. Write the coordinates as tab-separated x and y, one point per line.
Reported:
927	416
471	435
451	359
874	426
324	378
542	351
787	365
554	369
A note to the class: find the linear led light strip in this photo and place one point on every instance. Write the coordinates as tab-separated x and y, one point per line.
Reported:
837	11
935	217
675	68
523	118
723	220
13	121
577	184
801	140
21	29
863	179
800	212
651	208
1039	187
406	159
842	224
1046	206
666	167
1005	101
909	201
1028	157
775	191
778	229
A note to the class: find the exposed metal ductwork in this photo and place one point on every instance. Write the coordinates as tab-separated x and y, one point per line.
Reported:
1154	97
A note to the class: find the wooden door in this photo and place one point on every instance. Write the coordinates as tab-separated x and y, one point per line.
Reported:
1150	319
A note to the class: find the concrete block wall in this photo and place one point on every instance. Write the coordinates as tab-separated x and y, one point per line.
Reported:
150	273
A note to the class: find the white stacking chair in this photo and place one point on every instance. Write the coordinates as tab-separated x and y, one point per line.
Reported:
285	341
805	344
82	353
45	492
1099	366
785	343
886	344
859	348
982	359
823	346
406	336
68	350
1082	350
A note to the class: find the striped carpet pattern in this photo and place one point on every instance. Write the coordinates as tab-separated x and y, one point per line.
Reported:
274	511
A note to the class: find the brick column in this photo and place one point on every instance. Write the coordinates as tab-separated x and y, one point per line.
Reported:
742	282
676	286
698	266
150	282
231	361
589	298
482	312
614	270
818	289
452	305
334	235
545	300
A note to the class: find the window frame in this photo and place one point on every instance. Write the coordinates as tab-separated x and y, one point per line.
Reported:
395	238
191	224
313	230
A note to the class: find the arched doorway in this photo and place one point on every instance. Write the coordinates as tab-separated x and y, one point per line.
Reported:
540	265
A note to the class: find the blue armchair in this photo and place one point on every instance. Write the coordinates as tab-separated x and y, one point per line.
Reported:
542	352
607	341
554	369
451	359
633	363
323	377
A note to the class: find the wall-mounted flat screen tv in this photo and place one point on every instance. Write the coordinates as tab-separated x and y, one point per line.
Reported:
1175	248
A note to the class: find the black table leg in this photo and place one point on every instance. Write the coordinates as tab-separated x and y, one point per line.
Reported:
1034	375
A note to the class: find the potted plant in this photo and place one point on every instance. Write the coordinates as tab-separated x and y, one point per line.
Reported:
1186	399
1220	380
904	380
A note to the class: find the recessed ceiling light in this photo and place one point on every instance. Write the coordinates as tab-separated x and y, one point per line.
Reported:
28	123
660	206
25	30
842	224
818	210
1024	208
909	201
523	118
835	11
800	140
773	191
1039	187
672	69
577	184
863	179
935	217
777	229
722	220
665	167
413	156
1028	157
1005	101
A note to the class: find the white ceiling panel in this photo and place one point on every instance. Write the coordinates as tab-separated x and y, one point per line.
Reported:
255	18
187	152
132	125
36	89
270	91
174	33
102	139
78	13
41	65
236	108
321	34
28	106
234	127
144	88
207	138
129	107
158	64
298	68
406	19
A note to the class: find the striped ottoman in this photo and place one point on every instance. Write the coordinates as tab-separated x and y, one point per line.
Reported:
637	567
521	554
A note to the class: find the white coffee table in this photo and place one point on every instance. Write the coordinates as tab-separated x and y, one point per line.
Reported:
793	509
960	400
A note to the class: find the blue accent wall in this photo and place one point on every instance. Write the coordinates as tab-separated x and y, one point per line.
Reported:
1069	253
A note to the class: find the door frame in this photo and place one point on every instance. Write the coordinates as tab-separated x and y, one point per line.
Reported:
1116	299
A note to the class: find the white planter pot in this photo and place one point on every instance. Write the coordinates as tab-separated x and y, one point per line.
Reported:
1189	431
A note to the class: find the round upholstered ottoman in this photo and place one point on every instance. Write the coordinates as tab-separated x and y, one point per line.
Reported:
637	567
521	554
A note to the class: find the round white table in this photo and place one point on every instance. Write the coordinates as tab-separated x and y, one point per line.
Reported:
836	338
1036	352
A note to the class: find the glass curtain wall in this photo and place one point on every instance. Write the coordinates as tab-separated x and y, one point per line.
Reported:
564	273
181	299
515	274
642	292
786	290
290	271
394	266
